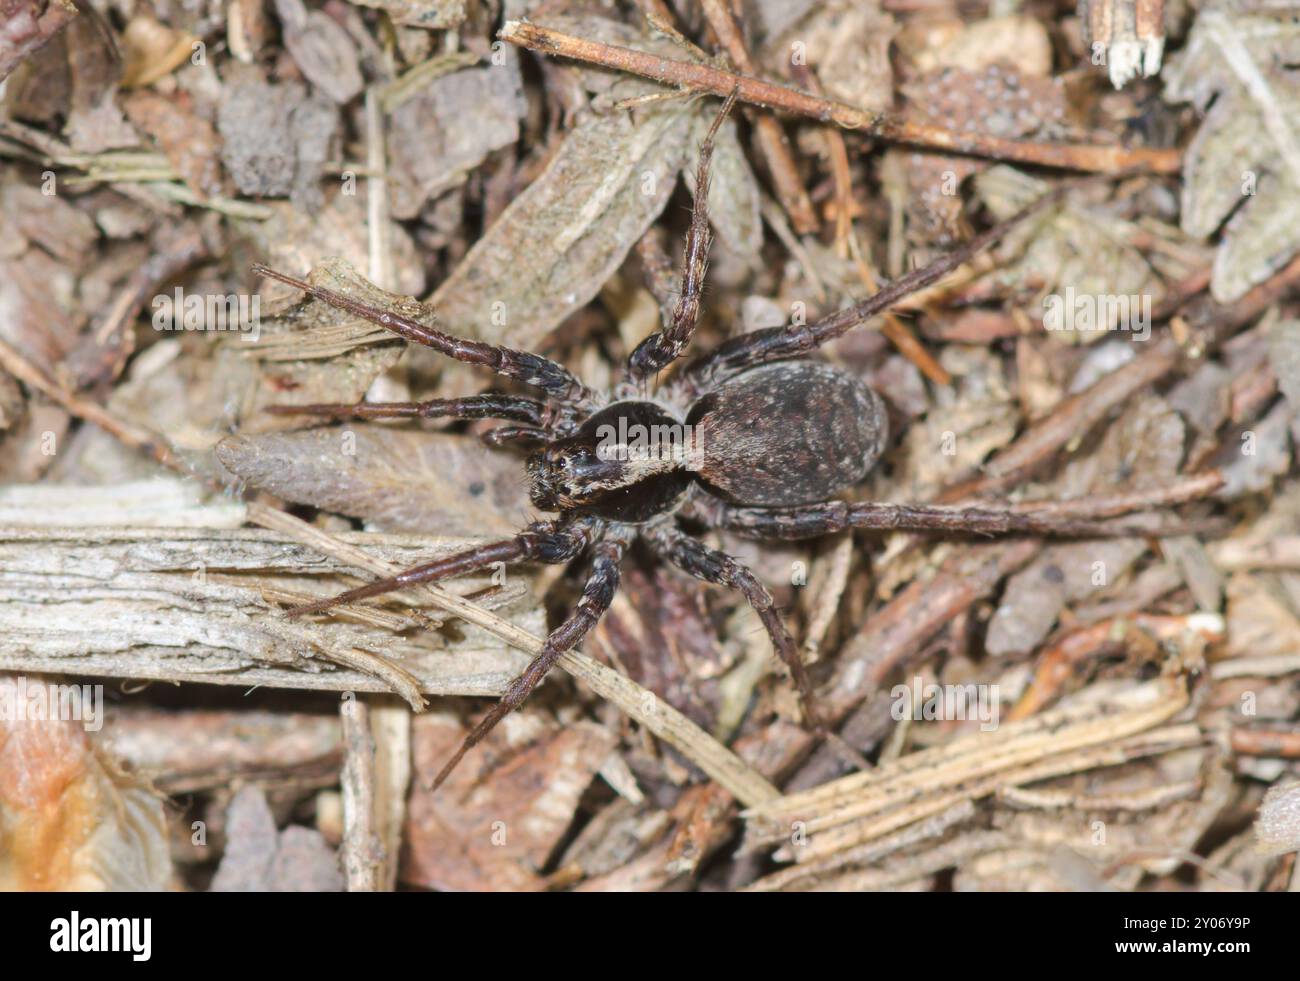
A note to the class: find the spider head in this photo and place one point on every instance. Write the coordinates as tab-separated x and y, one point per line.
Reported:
568	474
614	466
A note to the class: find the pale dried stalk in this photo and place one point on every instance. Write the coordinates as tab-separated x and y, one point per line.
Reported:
1056	799
918	867
395	677
870	853
995	750
318	344
1267	666
830	590
865	805
858	831
390	725
361	851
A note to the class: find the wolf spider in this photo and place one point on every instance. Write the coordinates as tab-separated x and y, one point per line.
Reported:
780	436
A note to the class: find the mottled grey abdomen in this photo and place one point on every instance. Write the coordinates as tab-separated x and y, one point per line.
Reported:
794	432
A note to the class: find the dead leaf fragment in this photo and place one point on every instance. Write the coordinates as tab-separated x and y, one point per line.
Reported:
28	25
399	480
255	120
558	243
495	822
430	14
153	51
1245	157
444	131
1277	829
188	140
259	858
70	819
323	50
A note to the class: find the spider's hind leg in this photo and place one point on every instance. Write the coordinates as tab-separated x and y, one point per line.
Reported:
597	596
1102	516
551	542
711	565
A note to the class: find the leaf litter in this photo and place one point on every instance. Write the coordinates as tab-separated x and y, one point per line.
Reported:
1146	683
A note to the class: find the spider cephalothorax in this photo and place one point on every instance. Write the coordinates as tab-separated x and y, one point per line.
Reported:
622	463
754	437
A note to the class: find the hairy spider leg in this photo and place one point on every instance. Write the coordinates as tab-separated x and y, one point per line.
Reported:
597	595
711	565
518	435
781	343
530	369
519	408
664	346
551	542
1084	518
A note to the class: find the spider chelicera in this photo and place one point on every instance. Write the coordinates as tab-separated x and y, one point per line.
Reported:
768	437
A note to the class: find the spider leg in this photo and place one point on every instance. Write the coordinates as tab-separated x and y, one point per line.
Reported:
520	435
518	408
663	347
551	542
711	565
597	595
1082	518
780	343
531	369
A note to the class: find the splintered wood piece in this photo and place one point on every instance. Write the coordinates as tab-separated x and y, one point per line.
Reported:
192	605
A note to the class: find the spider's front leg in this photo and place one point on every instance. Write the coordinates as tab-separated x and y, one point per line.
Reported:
597	596
530	369
711	565
517	408
536	420
551	542
523	436
663	347
781	343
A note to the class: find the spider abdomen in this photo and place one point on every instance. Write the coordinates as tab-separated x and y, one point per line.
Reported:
789	433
